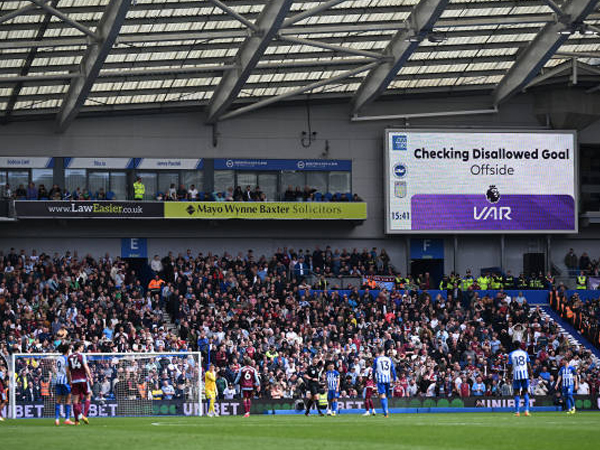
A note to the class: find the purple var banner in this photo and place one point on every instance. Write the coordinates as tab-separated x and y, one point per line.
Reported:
476	212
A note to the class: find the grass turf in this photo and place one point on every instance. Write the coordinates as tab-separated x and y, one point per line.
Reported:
462	431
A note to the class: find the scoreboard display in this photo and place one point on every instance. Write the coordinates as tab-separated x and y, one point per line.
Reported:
489	182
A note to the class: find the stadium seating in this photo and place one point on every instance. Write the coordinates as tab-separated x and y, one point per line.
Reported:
581	313
231	307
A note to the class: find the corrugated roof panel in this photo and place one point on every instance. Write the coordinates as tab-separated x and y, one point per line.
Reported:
40	104
184	17
178	97
554	62
511	38
19	34
423	56
489	66
40	90
49	61
497	51
10	63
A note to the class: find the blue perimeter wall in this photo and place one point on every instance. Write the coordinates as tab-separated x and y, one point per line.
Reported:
533	297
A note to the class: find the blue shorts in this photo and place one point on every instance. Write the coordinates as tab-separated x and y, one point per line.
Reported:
63	389
567	391
520	384
332	395
383	388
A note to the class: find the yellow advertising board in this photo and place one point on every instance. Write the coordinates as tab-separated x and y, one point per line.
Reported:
266	210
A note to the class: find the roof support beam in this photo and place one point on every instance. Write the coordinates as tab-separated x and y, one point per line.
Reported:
311	12
17	12
300	90
233	13
403	44
108	30
268	23
26	67
551	73
332	47
553	6
55	12
132	38
176	72
542	48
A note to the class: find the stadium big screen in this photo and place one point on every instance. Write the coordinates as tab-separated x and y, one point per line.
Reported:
484	181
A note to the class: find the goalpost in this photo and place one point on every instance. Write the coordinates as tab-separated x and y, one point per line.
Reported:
125	384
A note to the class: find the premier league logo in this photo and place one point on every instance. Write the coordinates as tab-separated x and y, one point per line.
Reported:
493	194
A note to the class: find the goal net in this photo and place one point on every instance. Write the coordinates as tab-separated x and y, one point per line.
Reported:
124	384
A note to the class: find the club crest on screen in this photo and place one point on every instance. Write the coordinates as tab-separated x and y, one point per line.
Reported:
400	189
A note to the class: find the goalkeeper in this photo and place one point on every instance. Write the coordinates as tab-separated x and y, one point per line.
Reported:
210	389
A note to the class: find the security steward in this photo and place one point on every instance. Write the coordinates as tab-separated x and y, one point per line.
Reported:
581	280
138	189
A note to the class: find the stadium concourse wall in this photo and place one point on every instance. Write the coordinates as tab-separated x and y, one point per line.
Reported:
273	133
112	408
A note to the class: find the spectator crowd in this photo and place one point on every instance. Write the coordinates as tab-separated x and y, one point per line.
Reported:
583	315
174	193
232	307
583	264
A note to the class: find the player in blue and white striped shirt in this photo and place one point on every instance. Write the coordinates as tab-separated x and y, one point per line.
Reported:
568	380
384	372
333	389
520	367
62	386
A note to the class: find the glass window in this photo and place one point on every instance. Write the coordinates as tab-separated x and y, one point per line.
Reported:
339	182
2	184
166	179
118	185
247	179
97	181
195	177
293	179
42	176
17	178
317	180
75	178
149	179
224	179
268	185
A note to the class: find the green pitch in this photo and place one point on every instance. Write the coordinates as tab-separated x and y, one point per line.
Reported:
543	431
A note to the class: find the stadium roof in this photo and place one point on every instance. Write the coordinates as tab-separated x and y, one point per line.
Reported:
63	57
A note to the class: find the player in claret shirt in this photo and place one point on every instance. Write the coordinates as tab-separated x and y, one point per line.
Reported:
79	375
369	392
3	395
248	380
